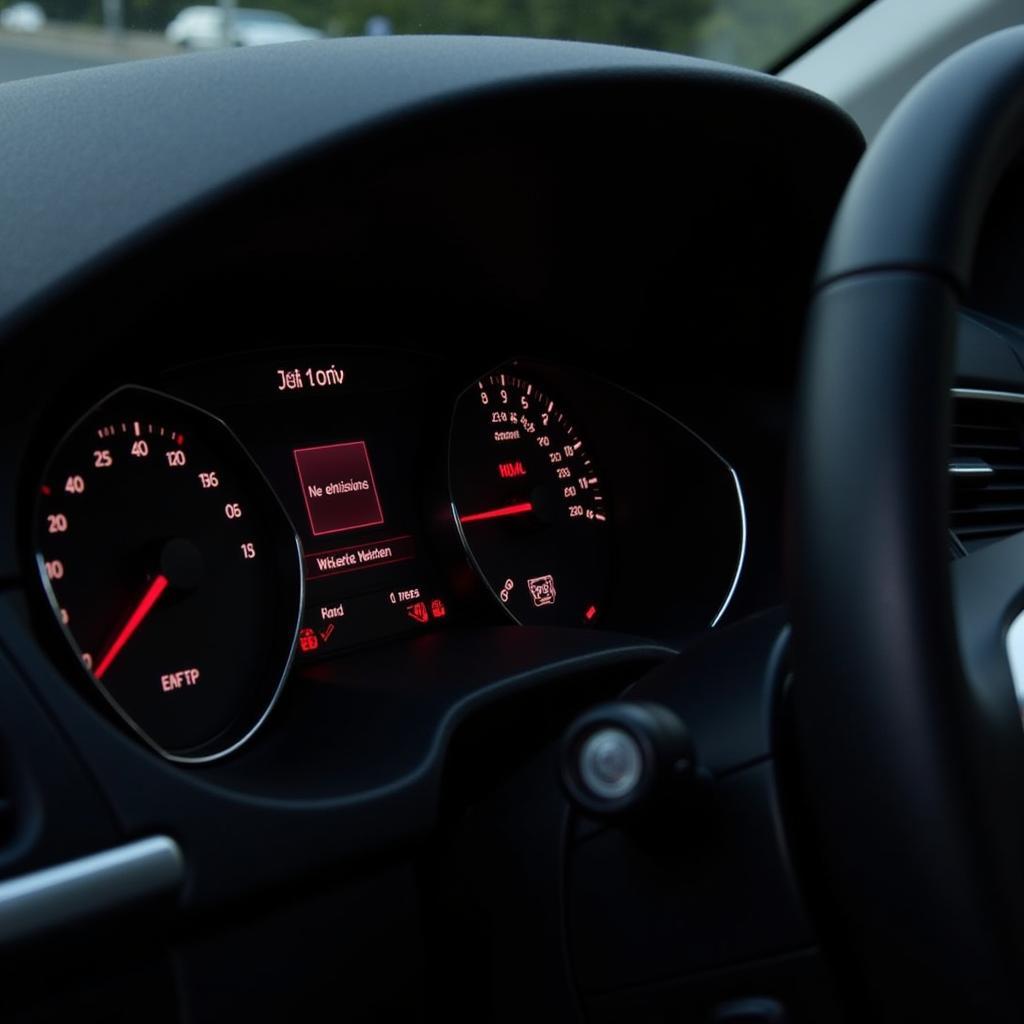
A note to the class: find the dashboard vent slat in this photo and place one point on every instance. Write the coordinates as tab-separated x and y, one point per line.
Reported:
986	471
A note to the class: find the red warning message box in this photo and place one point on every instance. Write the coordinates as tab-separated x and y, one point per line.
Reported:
338	487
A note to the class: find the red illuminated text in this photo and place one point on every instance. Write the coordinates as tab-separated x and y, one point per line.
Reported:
314	377
172	681
359	556
509	470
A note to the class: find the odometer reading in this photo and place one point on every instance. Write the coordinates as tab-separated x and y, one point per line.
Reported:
173	571
528	502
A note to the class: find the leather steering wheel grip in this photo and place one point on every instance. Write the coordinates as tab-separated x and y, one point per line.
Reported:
912	786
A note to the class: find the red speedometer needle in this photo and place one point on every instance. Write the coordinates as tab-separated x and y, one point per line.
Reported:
142	609
498	513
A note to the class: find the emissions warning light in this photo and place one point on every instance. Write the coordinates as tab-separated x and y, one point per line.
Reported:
542	590
418	612
308	640
338	487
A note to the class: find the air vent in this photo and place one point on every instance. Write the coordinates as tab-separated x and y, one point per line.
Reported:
986	469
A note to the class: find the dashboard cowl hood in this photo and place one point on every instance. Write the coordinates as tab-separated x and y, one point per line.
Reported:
93	159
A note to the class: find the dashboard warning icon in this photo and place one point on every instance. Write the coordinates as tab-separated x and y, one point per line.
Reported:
542	590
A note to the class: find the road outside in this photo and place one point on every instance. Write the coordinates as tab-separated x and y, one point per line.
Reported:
734	31
71	47
18	62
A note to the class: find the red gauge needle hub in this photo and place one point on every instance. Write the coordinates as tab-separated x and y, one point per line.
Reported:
498	513
142	609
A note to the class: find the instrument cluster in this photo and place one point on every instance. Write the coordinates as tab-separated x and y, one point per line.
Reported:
196	533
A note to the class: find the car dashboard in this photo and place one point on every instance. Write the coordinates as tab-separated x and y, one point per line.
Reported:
360	429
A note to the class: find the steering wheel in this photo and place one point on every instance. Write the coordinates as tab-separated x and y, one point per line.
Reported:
909	728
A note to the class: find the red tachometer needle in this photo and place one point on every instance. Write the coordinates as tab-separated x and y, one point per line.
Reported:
498	513
142	609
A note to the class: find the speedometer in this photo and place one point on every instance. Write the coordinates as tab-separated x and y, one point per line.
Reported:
173	571
529	503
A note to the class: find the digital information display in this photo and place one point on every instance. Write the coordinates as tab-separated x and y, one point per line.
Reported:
338	487
358	588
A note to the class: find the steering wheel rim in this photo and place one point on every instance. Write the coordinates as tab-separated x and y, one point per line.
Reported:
908	731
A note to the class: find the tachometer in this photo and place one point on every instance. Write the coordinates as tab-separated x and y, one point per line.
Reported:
528	501
173	570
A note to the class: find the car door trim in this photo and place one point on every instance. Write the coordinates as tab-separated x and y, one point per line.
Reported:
96	884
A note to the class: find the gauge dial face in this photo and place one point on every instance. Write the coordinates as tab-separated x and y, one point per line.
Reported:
173	571
528	502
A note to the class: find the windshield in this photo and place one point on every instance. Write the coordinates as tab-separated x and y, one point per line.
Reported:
61	35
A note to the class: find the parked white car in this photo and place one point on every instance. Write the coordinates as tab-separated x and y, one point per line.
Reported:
205	28
23	17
